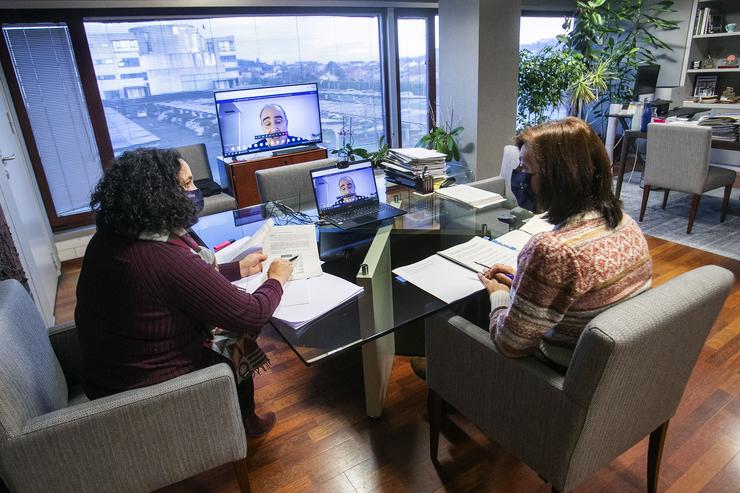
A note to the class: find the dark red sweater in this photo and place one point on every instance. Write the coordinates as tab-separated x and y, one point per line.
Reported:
143	308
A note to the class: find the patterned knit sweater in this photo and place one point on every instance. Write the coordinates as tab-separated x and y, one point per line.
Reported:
564	279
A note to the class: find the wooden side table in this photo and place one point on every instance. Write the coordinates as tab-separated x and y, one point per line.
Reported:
241	181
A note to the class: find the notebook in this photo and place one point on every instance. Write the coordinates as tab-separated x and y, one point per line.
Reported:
347	196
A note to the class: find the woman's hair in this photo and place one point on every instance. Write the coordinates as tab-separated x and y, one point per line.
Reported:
574	169
141	191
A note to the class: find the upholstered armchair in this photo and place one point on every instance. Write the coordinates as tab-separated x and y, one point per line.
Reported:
290	182
625	381
197	158
53	439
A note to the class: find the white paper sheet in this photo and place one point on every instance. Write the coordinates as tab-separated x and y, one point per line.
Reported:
306	300
426	274
477	251
474	197
515	239
536	225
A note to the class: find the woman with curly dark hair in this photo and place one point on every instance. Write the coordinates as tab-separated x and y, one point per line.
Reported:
149	296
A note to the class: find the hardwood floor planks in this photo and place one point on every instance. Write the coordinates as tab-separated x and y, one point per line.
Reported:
324	442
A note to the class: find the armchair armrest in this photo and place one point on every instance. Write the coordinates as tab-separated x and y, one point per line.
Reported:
66	346
496	184
138	440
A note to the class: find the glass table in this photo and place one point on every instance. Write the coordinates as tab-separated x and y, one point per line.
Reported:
366	256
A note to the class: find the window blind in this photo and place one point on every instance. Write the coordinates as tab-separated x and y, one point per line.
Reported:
47	74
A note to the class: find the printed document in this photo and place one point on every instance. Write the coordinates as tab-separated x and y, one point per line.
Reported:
287	242
458	265
305	300
474	197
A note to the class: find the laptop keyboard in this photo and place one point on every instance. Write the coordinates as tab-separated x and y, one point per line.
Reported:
366	210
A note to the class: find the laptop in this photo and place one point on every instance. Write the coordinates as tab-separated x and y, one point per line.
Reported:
347	197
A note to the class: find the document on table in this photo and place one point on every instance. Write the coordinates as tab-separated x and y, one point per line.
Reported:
477	251
474	197
279	242
536	224
306	300
426	274
457	265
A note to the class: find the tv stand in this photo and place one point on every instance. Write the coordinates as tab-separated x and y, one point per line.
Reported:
241	182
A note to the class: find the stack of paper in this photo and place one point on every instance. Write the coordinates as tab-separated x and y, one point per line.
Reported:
474	197
306	300
724	127
406	164
458	265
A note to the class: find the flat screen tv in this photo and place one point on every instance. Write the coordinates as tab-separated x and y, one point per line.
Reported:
268	118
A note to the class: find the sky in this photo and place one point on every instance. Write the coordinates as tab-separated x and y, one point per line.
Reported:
533	29
323	38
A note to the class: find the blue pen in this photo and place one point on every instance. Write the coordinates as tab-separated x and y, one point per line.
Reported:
488	267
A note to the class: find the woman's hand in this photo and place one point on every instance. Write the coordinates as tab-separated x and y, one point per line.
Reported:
251	264
280	269
501	273
493	285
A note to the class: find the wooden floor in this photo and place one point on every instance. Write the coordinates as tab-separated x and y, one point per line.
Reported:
324	442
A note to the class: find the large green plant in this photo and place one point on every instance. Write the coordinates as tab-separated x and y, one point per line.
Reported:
618	35
545	79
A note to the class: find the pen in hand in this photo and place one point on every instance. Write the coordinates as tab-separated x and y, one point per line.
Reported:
488	267
292	258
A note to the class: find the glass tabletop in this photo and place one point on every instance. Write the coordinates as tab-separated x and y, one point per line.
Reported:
431	223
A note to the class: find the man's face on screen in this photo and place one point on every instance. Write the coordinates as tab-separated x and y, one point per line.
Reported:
346	187
274	121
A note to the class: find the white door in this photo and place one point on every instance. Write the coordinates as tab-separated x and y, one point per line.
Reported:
25	214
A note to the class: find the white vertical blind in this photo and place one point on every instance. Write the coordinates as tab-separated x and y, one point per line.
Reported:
45	67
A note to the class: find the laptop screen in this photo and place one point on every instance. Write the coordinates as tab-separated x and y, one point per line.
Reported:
336	189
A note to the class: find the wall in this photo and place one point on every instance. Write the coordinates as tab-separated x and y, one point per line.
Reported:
478	67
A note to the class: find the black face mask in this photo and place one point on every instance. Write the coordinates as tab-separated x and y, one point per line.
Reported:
197	197
521	186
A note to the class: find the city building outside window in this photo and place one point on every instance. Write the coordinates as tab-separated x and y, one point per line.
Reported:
413	75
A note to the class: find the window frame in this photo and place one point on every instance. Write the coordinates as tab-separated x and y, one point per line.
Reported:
75	19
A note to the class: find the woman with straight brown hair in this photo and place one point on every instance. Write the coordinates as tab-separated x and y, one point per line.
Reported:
595	257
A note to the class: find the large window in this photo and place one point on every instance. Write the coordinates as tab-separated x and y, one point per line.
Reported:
162	94
45	68
413	76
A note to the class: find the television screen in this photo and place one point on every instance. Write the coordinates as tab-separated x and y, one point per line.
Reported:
268	118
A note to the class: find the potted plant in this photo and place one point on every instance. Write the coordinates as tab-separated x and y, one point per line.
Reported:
443	139
377	157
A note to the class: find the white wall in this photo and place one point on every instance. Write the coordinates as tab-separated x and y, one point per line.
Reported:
478	67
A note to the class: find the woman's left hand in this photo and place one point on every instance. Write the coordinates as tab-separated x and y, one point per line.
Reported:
251	264
492	285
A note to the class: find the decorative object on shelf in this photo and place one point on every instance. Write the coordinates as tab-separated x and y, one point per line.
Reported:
695	64
730	28
705	85
708	62
728	96
715	24
730	62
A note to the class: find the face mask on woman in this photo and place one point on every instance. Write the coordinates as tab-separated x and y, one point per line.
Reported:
197	197
521	186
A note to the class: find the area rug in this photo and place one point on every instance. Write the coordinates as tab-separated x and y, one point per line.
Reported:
670	224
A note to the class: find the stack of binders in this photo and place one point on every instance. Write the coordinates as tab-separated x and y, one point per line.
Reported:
410	165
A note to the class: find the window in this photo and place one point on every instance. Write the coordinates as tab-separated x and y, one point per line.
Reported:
125	45
135	75
413	76
106	77
251	51
128	62
46	71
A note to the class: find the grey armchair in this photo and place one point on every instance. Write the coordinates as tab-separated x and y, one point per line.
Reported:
291	181
502	185
625	381
53	439
195	155
678	159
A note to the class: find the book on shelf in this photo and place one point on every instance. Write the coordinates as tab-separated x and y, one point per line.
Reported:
460	264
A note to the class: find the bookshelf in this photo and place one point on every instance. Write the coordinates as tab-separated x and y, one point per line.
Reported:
717	44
